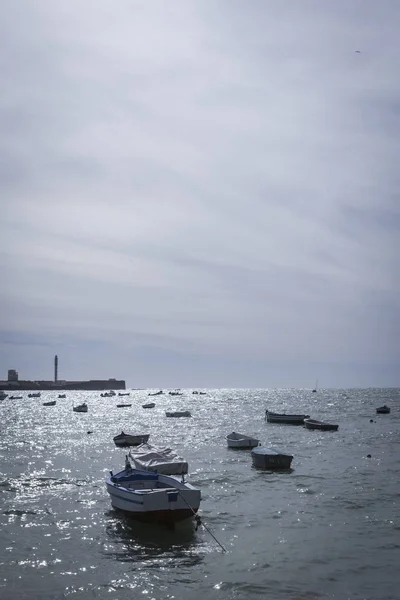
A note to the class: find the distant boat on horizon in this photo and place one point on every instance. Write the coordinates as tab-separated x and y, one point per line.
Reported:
316	386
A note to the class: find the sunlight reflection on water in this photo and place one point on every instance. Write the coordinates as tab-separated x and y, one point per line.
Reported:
61	537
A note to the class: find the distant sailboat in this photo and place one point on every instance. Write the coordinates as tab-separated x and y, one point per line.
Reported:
316	386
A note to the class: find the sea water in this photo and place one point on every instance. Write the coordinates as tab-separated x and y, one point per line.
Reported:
329	528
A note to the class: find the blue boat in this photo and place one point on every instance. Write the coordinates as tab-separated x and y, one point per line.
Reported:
269	458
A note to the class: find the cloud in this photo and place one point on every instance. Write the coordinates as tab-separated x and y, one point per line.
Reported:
203	178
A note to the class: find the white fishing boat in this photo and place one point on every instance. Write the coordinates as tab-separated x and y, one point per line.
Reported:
240	440
287	419
81	408
126	439
179	413
152	497
162	460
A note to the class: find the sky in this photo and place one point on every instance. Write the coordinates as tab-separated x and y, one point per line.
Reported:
201	193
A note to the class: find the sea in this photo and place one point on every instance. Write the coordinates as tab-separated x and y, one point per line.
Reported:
327	529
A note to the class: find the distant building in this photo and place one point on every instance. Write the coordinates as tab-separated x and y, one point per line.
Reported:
12	375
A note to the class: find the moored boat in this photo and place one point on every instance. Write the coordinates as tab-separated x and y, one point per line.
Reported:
155	393
269	458
34	395
149	405
162	460
179	413
288	419
320	425
240	440
51	403
62	395
123	394
3	395
126	439
81	408
383	410
152	497
123	405
15	397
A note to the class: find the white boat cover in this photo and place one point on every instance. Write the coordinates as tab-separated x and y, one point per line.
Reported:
162	460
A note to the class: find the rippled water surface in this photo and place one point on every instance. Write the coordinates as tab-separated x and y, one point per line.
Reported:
328	529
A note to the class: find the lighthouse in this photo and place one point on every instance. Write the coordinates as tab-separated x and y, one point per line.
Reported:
55	368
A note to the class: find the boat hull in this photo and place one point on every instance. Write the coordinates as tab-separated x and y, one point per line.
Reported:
242	444
240	441
158	516
284	418
80	409
266	458
130	440
166	505
320	425
383	410
179	414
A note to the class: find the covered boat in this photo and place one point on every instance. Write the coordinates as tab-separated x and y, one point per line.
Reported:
149	405
51	403
82	408
321	425
162	460
269	458
383	410
152	497
287	419
179	413
126	439
240	440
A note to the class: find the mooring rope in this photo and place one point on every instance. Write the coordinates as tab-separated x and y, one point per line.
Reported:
200	522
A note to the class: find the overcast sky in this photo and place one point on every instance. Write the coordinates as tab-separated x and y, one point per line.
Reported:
201	193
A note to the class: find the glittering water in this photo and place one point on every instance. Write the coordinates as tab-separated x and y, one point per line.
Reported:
328	529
